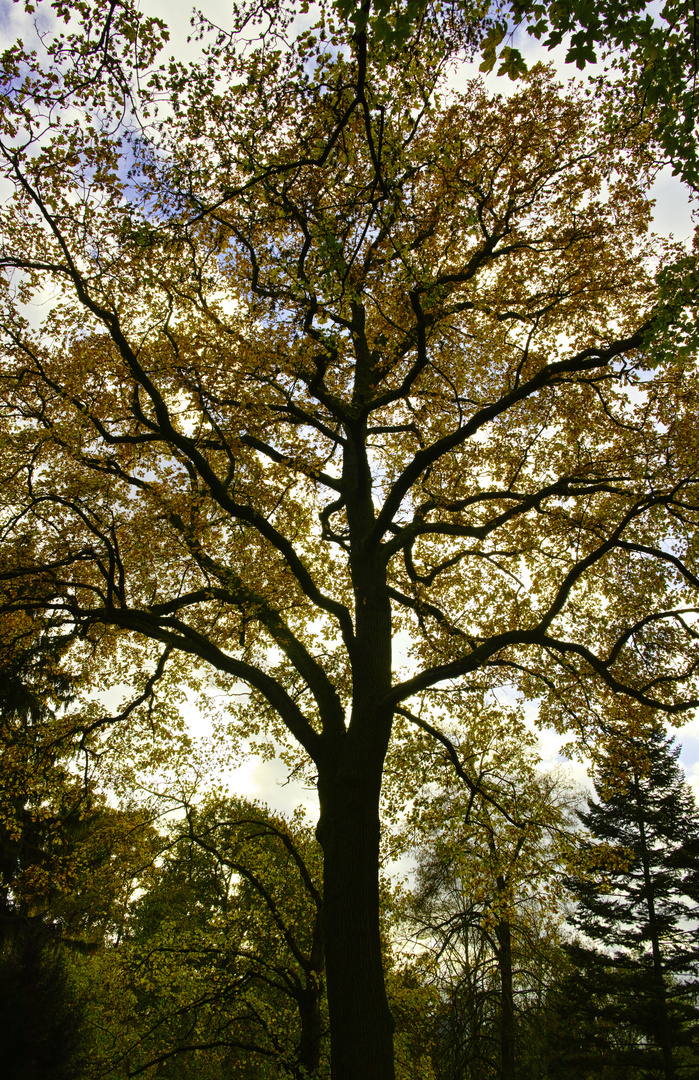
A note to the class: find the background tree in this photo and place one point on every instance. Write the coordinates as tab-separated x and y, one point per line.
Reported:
68	861
69	858
639	904
220	970
40	802
592	1014
491	846
42	1029
316	373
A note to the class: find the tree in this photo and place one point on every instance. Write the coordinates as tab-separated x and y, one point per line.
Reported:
490	847
66	862
68	859
39	801
220	969
589	1032
332	357
42	1031
641	899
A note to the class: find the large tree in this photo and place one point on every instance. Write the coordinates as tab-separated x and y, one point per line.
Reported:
333	355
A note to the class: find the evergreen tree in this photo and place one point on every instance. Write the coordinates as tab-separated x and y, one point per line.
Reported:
69	864
639	905
41	1016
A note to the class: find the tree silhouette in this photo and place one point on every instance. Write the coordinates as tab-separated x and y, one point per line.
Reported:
333	355
639	905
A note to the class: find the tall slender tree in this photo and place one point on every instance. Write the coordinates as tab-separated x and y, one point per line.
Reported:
639	903
490	846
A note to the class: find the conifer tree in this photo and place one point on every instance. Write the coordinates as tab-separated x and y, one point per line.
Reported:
639	905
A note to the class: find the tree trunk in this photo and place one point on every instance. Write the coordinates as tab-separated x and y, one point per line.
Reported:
361	1025
349	781
507	1001
311	1028
662	1024
309	1003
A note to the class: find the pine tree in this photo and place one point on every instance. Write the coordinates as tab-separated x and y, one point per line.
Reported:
639	905
42	1033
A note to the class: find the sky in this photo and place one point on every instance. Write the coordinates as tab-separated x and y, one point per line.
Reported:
268	780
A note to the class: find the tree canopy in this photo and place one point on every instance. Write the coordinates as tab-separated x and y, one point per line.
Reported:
647	53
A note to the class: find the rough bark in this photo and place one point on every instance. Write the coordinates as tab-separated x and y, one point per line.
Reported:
361	1025
349	785
311	1029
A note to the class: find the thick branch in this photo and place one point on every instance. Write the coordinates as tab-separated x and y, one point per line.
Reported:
583	361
